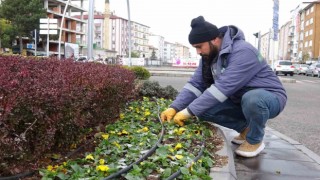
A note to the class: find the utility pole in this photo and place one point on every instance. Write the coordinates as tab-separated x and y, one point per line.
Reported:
90	29
129	24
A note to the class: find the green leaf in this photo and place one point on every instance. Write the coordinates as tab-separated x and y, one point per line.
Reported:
76	168
167	172
184	170
62	176
162	151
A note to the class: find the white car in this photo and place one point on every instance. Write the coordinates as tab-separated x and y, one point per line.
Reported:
283	67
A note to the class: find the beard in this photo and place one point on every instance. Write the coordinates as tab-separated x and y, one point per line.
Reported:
214	51
207	60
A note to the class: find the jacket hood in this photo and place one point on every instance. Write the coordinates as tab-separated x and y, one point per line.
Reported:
231	34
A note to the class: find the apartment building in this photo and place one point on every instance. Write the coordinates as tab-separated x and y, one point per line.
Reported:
98	29
119	37
157	41
169	52
308	37
140	39
182	51
55	9
286	41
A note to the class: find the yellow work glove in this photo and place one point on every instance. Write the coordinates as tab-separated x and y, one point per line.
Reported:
168	114
181	116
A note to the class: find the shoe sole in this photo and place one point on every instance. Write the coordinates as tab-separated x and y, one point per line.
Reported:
236	141
250	154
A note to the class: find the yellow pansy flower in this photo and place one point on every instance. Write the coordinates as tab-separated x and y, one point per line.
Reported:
105	136
89	157
178	146
145	129
103	168
147	113
179	131
178	156
130	107
191	168
116	144
171	149
171	157
49	168
121	115
123	132
142	118
112	132
101	161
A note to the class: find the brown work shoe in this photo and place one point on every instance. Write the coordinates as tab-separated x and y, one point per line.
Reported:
241	137
249	150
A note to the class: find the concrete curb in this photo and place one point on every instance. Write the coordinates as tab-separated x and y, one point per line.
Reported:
228	171
172	73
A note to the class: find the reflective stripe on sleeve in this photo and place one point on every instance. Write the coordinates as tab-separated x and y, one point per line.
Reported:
193	89
217	93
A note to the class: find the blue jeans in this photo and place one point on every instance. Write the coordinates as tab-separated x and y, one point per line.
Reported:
257	106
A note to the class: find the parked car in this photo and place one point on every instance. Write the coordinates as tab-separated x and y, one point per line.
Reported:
283	67
300	68
313	70
82	59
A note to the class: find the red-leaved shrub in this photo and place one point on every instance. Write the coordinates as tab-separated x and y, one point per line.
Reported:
47	104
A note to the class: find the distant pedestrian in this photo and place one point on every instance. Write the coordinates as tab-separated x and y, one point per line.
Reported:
233	86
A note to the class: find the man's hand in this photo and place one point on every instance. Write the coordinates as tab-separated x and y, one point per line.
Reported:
168	114
181	116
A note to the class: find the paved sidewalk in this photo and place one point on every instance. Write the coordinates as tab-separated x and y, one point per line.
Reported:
282	158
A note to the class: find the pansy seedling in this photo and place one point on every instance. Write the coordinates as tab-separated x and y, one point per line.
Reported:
178	146
101	161
89	157
103	168
105	136
178	156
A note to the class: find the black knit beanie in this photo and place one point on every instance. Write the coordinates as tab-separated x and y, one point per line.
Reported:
202	31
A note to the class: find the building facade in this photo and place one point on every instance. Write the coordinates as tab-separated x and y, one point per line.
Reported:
309	39
70	30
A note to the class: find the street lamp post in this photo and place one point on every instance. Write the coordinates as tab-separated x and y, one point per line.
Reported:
129	24
90	29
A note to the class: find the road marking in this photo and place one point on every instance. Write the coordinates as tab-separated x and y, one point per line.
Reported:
308	81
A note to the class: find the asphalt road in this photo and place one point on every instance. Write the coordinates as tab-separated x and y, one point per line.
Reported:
300	119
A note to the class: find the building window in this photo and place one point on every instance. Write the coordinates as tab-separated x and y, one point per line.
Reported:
306	34
311	20
310	43
306	44
310	32
307	23
311	10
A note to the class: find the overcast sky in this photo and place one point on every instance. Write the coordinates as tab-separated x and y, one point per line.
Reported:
171	18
